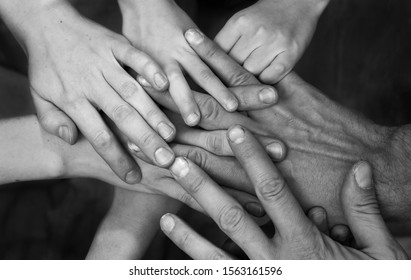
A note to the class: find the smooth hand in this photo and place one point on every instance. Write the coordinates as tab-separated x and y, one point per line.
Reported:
269	37
158	28
76	70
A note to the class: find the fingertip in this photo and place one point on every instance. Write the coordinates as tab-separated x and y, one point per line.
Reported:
180	168
166	131
231	105
192	119
133	177
277	150
236	134
161	81
167	223
68	134
363	175
194	36
268	95
317	215
340	233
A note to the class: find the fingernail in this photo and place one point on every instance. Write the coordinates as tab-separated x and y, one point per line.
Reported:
133	147
231	105
132	177
275	150
318	216
64	134
160	80
142	81
192	119
255	209
180	167
194	36
267	96
165	130
236	135
167	223
163	156
363	175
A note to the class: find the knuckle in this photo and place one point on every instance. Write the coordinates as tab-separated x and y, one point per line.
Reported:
215	143
207	75
152	113
128	89
186	240
210	109
261	31
197	184
146	139
197	157
239	78
231	219
211	51
241	19
103	139
271	188
122	113
187	199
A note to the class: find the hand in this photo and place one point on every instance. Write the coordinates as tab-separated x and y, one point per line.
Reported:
158	27
269	37
323	141
296	236
82	72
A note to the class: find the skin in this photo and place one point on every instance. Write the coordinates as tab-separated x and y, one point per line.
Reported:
269	37
296	237
163	38
73	77
323	141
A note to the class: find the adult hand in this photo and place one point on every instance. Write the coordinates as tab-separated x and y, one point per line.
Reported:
296	236
158	27
323	141
75	66
269	37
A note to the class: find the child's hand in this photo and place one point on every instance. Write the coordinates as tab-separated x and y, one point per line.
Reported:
269	37
158	28
75	66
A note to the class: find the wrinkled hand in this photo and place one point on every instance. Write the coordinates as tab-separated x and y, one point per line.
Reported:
158	27
296	236
323	139
77	68
269	37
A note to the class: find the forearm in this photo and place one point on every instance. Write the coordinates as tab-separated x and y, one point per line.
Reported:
130	225
28	152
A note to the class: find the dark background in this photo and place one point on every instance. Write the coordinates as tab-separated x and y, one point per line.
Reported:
360	56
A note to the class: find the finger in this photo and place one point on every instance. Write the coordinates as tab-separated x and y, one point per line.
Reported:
134	94
222	208
249	202
243	49
103	141
206	79
190	241
318	217
271	189
227	37
259	59
142	64
55	121
231	248
226	68
225	171
183	97
279	68
255	97
131	124
341	234
361	209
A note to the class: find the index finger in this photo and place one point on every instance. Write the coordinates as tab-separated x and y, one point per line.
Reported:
271	188
227	69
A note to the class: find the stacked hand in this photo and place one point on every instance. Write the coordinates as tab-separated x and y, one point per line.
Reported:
296	237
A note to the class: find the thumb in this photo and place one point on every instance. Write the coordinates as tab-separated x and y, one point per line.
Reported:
55	121
361	209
